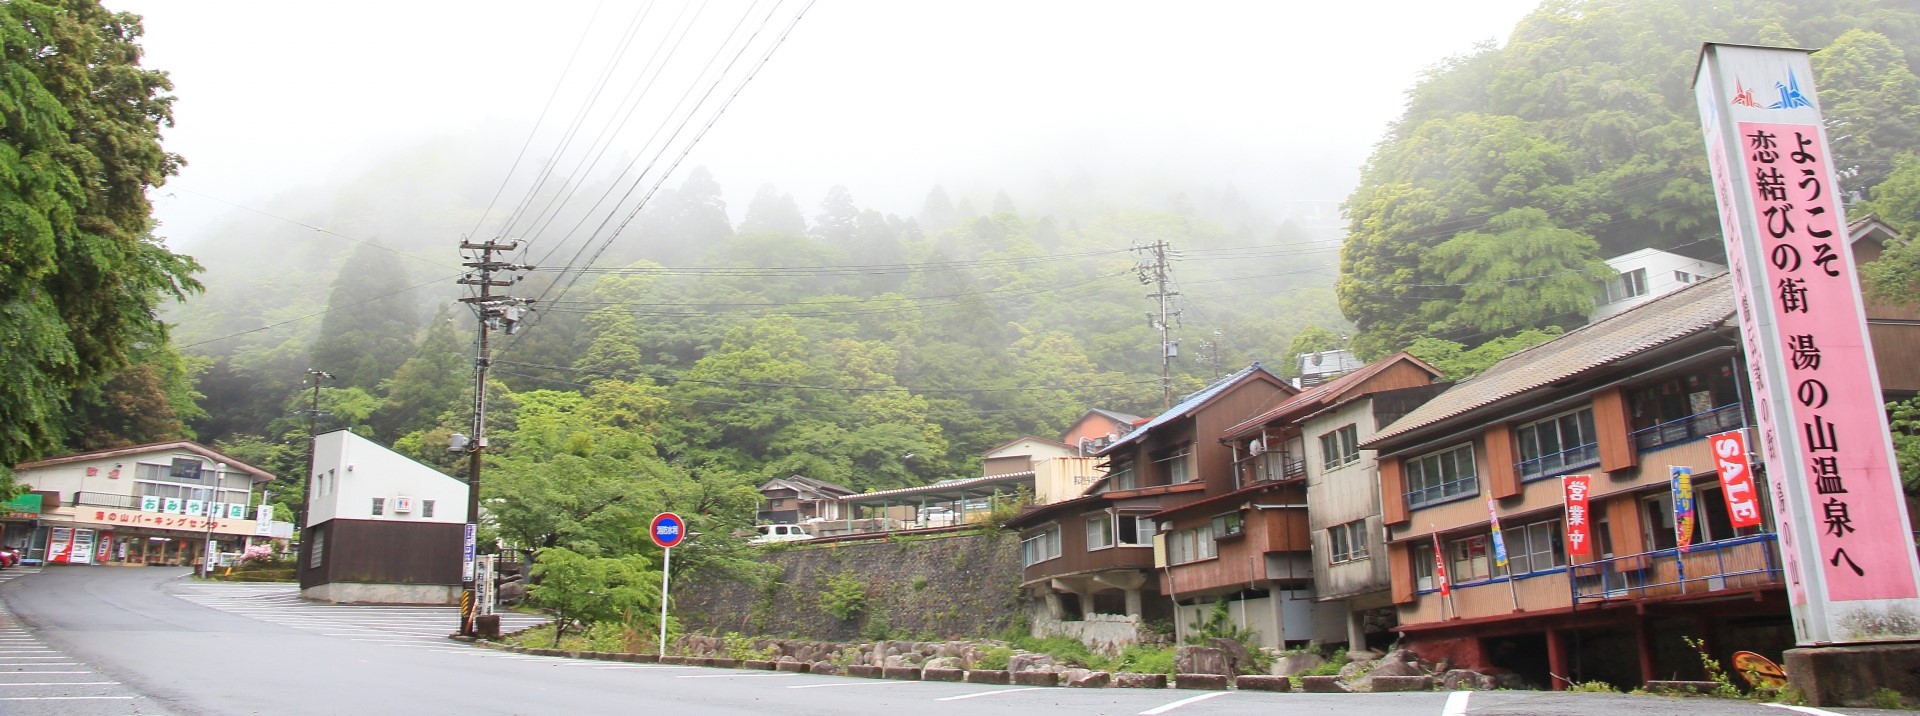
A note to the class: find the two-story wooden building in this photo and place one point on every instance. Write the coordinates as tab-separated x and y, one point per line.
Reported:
1095	554
1626	401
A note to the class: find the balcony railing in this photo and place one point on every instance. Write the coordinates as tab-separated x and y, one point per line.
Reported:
1563	461
1692	427
1742	562
106	499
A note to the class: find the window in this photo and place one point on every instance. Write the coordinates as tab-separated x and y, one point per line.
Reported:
1121	477
1683	277
1135	531
319	548
1348	542
379	506
184	468
1100	531
1535	547
1631	284
1562	442
426	508
1438	476
1340	447
1178	464
1191	545
1469	560
1422	555
1227	525
1041	547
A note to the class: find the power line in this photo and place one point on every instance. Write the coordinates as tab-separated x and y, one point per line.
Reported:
671	378
318	314
320	229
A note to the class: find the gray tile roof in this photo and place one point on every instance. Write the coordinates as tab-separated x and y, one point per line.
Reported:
1190	403
1689	310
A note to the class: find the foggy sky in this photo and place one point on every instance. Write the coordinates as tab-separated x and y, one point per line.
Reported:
1282	100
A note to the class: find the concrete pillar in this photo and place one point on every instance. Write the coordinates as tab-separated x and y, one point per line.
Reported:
1054	607
1134	608
1276	600
1086	602
1356	630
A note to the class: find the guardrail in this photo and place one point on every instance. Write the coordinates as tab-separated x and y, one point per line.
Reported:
1692	427
1727	564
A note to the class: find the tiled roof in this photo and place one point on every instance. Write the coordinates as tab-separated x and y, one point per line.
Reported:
1192	402
1320	394
1690	310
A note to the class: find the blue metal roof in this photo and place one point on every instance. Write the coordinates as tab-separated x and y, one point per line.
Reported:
1189	403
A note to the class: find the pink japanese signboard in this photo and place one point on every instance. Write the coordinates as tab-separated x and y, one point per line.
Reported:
1579	527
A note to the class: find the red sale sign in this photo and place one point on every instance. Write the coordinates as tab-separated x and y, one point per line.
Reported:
1736	477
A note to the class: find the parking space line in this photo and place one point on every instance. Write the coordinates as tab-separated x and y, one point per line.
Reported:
989	693
63	683
1805	709
743	674
1456	704
67	698
1156	711
855	683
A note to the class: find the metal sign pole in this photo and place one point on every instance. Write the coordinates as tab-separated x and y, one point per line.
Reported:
666	570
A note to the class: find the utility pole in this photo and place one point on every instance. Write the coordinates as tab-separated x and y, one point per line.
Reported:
502	312
1154	271
313	447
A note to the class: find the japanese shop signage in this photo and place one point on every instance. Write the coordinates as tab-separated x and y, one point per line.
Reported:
1850	567
1683	514
1736	477
160	520
1579	531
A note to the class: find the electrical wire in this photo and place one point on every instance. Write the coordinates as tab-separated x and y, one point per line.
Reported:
671	378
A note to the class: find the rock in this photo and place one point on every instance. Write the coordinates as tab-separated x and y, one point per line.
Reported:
943	662
1067	675
1402	656
1354	669
1509	680
1363	655
1263	683
1464	680
894	662
1216	682
1296	663
1389	667
1201	660
1382	684
942	674
1323	685
1238	658
1029	662
1090	680
1128	680
818	667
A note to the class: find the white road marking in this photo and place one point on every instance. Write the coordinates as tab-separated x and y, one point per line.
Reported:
1456	704
1805	710
64	683
990	693
40	663
745	674
856	683
49	672
1156	711
66	698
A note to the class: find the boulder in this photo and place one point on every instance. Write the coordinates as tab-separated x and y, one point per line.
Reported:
894	662
1128	680
1074	673
1362	655
1029	662
943	662
1238	658
1296	663
1263	683
1202	660
1090	680
1464	680
1389	667
1355	669
818	667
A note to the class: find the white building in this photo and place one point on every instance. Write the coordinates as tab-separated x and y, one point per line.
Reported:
381	528
1646	274
154	504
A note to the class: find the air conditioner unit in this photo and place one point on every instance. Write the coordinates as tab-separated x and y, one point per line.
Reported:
402	504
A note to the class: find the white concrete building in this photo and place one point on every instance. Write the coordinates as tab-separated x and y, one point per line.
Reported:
381	528
1648	273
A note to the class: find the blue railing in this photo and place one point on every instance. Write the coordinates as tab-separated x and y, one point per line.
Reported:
1692	427
1742	562
1565	460
1469	485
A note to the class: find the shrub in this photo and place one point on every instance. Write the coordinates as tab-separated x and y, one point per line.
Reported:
1715	672
995	659
1885	698
1145	660
1331	667
845	596
1593	687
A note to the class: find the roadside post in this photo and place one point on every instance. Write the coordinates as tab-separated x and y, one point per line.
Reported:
667	531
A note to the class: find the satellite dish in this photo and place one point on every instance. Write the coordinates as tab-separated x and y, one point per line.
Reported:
1257	447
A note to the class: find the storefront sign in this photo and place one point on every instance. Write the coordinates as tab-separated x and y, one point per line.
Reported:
236	511
159	521
174	506
1579	531
196	508
150	503
1682	486
1736	477
1844	535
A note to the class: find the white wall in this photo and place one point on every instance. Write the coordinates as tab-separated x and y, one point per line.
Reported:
1343	495
72	477
1660	267
353	470
1037	449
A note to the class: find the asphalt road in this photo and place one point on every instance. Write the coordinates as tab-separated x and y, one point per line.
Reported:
152	641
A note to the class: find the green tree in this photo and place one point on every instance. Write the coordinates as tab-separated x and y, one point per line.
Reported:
369	327
838	219
81	279
772	212
438	377
1895	276
1523	270
1458	362
1871	101
594	590
1313	339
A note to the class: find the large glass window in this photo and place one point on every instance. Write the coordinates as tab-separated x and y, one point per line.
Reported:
1041	547
1557	444
1442	475
1470	559
1535	547
1630	284
1100	531
1191	545
1340	448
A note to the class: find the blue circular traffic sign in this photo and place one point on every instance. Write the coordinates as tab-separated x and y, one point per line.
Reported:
667	530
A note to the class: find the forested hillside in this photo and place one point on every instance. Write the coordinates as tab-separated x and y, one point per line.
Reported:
1516	169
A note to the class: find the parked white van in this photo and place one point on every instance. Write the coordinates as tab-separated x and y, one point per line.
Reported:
779	533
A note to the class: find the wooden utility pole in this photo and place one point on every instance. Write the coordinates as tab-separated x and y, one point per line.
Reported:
493	311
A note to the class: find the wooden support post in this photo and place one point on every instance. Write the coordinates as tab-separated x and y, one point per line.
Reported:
1557	660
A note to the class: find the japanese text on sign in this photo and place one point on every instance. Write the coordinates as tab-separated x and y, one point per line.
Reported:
1579	527
1736	477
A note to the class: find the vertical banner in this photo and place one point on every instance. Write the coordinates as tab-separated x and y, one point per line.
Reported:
1736	477
1579	531
1683	513
1499	543
1440	567
1850	566
466	559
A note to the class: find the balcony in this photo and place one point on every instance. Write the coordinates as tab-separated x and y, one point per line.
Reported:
1740	563
1560	462
106	499
1692	427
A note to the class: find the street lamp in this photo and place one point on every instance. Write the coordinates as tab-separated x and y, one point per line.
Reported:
206	512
